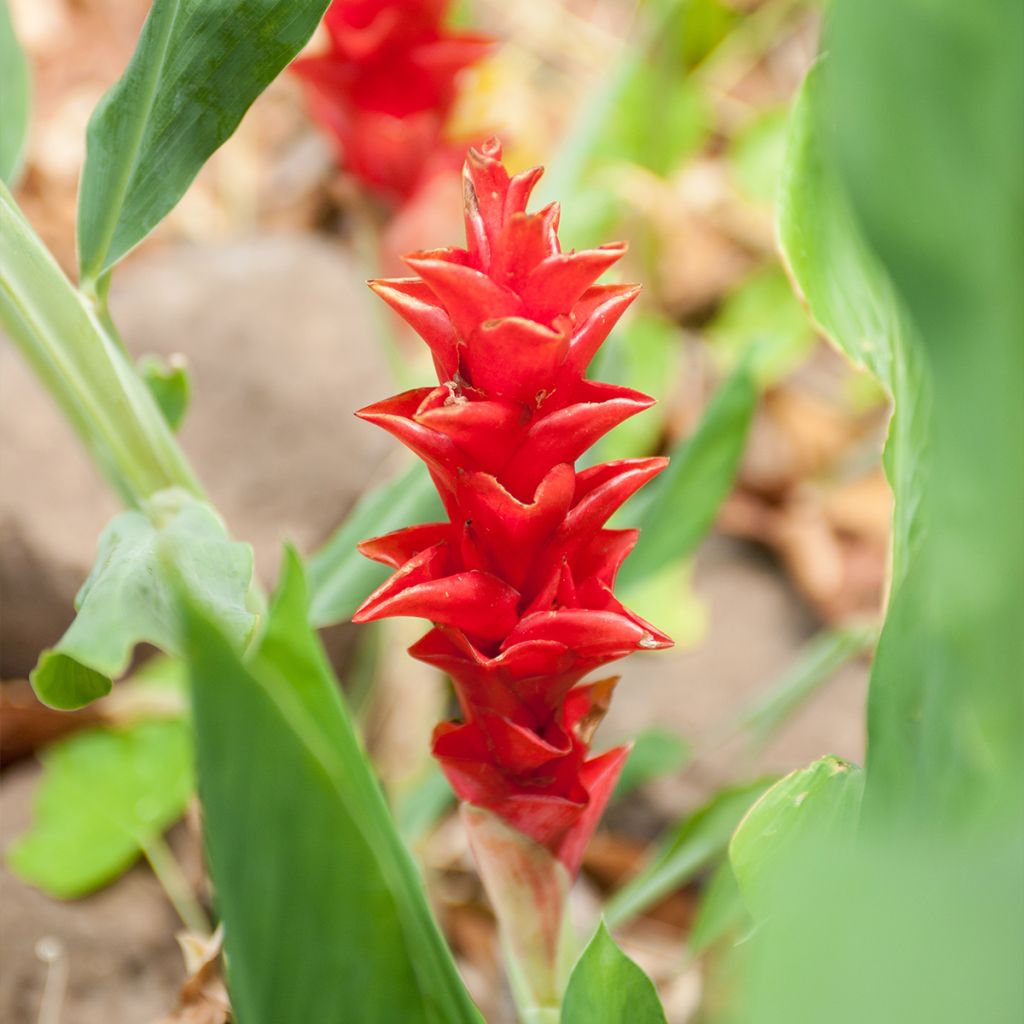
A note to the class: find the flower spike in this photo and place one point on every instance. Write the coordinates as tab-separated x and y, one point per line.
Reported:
518	583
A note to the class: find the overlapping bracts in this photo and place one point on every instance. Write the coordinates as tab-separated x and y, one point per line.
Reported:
384	89
518	583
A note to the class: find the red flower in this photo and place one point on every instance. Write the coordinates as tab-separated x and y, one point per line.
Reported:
385	88
518	582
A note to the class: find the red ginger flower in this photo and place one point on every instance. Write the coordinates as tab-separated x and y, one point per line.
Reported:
518	583
386	86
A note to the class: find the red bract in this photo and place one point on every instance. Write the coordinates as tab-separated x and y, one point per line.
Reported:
518	582
385	88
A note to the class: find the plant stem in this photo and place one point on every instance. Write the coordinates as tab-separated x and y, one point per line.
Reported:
85	368
175	885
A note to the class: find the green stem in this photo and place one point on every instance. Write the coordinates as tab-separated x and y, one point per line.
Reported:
175	885
85	368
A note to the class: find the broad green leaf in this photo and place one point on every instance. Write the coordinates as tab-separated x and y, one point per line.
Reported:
817	662
655	753
679	507
845	286
762	317
340	578
946	706
325	915
697	842
128	598
606	987
14	99
169	386
720	912
198	67
815	806
104	795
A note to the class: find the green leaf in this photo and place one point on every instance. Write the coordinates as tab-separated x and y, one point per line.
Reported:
819	805
678	508
644	355
691	847
757	155
324	912
420	806
606	987
946	707
340	578
817	662
655	753
720	912
128	598
15	100
763	320
103	797
846	288
169	386
198	67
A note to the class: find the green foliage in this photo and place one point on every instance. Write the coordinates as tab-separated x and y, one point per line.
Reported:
757	155
697	842
169	386
643	355
655	753
721	911
762	320
851	297
818	805
198	67
128	598
15	100
340	578
678	508
325	915
104	796
606	987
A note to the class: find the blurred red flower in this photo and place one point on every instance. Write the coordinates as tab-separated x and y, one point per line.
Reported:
384	89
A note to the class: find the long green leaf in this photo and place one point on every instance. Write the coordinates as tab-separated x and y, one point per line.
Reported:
14	99
340	578
606	987
128	599
198	67
696	843
325	916
819	660
679	507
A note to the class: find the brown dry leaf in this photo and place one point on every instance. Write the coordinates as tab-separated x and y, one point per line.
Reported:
203	998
